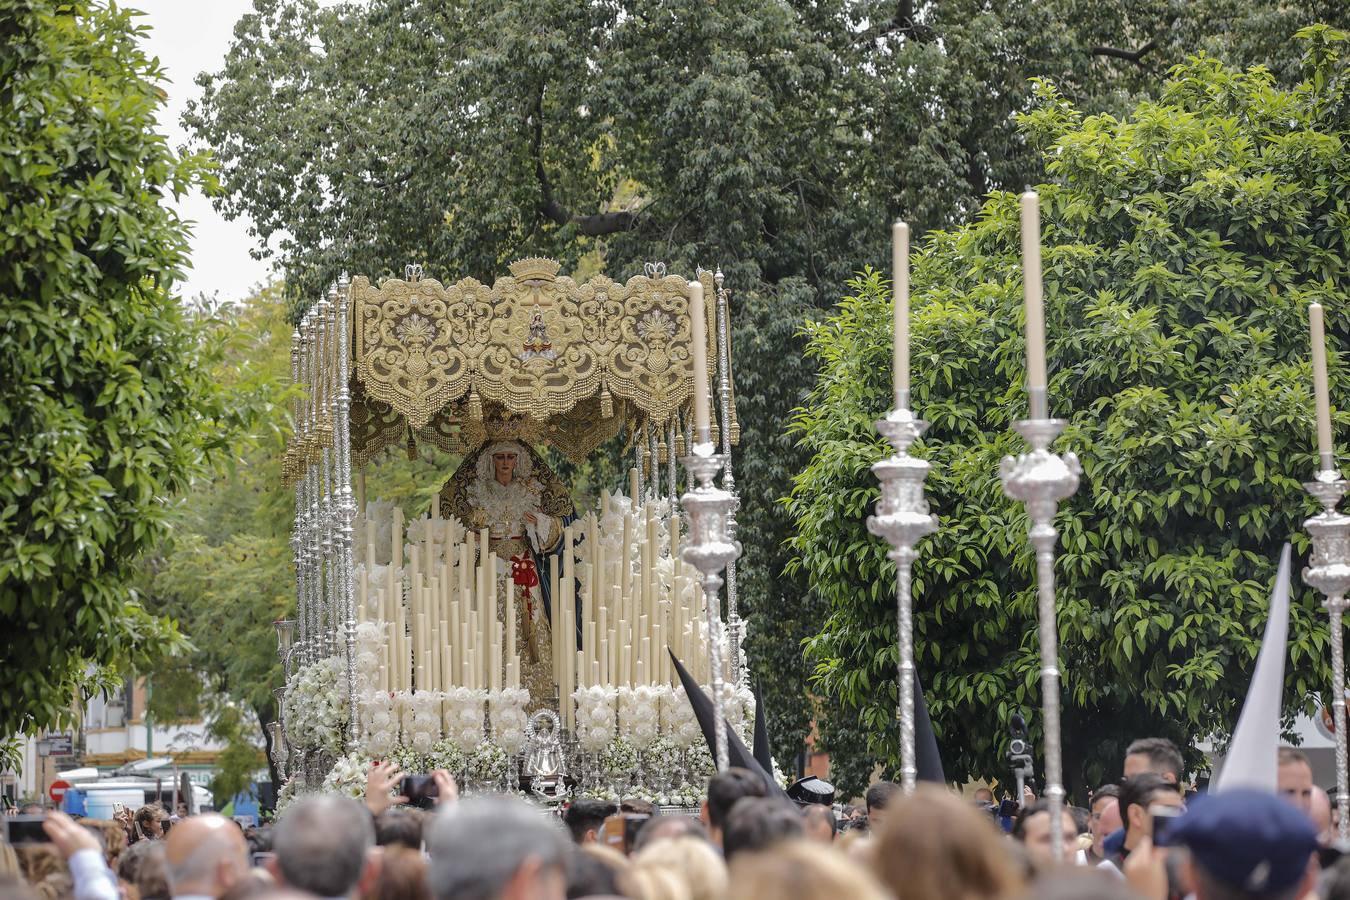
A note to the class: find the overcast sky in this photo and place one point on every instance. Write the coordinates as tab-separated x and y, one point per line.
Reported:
190	36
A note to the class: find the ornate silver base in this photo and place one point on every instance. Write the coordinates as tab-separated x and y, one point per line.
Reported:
1040	479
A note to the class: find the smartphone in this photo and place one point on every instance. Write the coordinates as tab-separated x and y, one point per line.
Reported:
1163	817
25	829
119	809
620	830
421	790
261	859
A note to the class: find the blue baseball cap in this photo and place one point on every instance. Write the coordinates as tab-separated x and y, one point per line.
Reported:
1246	839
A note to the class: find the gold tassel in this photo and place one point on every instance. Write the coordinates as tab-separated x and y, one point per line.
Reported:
606	401
475	410
679	444
662	452
412	445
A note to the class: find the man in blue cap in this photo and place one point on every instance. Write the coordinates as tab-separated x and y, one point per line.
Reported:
1246	844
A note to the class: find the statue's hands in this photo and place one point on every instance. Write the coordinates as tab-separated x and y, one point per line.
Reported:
531	518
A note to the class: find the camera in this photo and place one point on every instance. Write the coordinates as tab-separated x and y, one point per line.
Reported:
1019	755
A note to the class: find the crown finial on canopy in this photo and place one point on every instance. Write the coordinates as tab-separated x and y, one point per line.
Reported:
535	268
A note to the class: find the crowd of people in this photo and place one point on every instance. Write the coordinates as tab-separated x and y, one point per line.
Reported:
1143	837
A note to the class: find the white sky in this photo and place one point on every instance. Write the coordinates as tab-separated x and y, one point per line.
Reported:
190	36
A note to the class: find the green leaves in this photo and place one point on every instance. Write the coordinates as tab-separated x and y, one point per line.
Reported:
1178	266
104	406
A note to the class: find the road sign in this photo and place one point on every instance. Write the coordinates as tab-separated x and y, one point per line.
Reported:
58	790
56	745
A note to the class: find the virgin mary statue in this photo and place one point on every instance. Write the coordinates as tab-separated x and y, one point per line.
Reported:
506	488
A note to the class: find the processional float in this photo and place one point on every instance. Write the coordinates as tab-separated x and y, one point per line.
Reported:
506	633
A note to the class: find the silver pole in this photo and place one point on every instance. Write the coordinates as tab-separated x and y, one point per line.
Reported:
1329	572
342	438
735	627
902	518
1040	479
708	549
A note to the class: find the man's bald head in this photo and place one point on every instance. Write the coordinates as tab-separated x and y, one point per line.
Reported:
205	855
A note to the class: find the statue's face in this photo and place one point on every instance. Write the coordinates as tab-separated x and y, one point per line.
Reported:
503	465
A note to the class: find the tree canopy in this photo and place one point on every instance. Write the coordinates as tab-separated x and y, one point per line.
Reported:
1183	244
105	410
773	139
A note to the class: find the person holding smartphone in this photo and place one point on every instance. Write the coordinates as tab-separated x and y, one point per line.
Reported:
1141	797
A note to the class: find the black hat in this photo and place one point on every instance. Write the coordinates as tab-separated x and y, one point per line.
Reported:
808	790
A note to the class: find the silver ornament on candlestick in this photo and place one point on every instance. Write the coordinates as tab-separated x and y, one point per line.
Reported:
1329	572
709	549
903	519
1040	479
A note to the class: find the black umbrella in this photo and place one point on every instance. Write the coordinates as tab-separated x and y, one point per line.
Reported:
737	754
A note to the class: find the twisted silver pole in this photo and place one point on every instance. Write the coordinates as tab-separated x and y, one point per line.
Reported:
301	426
902	518
1329	572
1040	479
342	438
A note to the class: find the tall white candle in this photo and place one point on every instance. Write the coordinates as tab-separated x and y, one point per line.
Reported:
1035	310
900	330
699	339
1321	393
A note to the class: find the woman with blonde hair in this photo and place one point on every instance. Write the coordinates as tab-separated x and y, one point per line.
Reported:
693	861
800	870
936	846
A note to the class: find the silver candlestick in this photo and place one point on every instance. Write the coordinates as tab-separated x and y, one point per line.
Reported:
902	518
709	549
1329	573
735	626
346	504
1041	479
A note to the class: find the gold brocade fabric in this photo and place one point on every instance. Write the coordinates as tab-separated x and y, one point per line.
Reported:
534	343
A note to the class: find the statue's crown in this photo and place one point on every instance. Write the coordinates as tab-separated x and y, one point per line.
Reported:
535	268
501	425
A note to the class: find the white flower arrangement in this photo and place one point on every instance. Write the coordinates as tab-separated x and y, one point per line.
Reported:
595	716
464	717
678	720
640	714
293	788
698	763
506	711
663	758
738	705
348	776
411	761
488	762
379	723
316	706
421	719
619	758
446	755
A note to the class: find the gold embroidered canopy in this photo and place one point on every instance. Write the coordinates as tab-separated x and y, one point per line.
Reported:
536	357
